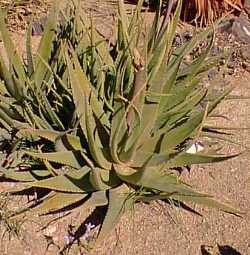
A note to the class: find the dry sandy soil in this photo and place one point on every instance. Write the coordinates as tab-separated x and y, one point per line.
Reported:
159	229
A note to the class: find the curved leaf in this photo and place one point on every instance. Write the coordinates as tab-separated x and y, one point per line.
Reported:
183	159
75	181
57	202
69	158
25	176
153	178
119	203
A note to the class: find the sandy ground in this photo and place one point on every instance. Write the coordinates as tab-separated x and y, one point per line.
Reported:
158	228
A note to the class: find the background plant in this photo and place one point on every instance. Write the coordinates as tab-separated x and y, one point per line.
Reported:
207	11
139	108
201	12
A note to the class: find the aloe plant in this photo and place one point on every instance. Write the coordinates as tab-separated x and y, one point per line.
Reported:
139	110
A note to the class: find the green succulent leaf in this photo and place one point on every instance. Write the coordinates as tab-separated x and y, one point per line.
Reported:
119	203
153	178
94	140
97	198
10	85
207	201
103	180
69	158
57	201
184	159
11	50
24	176
45	47
181	133
50	135
74	181
82	90
30	62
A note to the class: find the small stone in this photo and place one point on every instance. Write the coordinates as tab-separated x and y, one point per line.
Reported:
230	71
231	64
241	29
215	51
49	231
178	40
212	73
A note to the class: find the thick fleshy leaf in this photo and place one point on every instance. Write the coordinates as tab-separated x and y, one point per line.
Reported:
206	201
154	28
119	203
69	158
57	202
102	179
48	111
184	159
153	178
12	54
24	176
47	134
94	140
203	201
183	110
97	198
81	88
119	128
161	79
10	86
67	141
75	181
181	133
45	46
151	159
5	118
30	62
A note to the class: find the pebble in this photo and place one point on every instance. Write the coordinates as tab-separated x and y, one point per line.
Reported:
241	28
231	64
49	231
212	73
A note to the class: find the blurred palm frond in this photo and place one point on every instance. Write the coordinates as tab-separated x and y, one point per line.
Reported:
206	11
202	12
